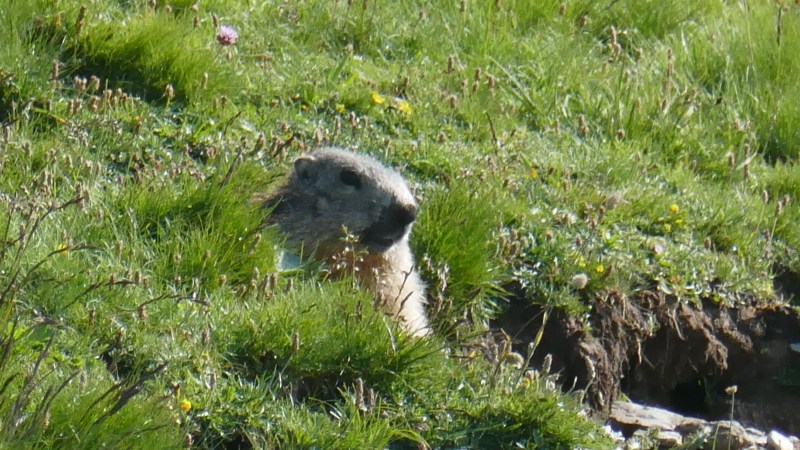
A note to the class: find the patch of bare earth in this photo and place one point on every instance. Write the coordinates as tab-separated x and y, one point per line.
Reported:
676	355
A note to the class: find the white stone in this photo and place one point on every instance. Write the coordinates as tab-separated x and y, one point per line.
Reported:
756	436
628	413
669	439
777	441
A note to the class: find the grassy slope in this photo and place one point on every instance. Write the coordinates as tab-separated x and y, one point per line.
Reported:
631	145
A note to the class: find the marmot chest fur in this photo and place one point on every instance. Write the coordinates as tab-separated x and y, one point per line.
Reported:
332	192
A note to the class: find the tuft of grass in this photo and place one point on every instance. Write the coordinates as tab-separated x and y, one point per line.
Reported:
158	55
299	338
454	237
363	381
54	391
209	233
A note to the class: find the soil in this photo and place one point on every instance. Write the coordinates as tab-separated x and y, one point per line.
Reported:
660	351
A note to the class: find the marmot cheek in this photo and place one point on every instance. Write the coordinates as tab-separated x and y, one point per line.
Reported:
322	204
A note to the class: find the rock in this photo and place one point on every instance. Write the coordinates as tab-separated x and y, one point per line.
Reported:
777	441
645	423
757	437
691	426
628	417
727	434
669	439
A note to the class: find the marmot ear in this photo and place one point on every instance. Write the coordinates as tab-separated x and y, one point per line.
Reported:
305	169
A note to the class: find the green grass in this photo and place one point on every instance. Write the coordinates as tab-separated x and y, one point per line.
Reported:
565	149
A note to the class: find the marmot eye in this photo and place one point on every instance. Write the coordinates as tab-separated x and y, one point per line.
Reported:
350	178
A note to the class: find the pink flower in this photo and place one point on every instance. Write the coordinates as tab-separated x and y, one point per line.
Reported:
227	35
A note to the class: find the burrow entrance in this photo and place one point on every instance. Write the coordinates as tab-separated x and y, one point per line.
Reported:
682	357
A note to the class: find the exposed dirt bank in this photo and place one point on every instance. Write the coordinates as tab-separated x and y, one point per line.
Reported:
682	357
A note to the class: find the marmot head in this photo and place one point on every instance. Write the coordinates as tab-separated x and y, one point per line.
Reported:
331	190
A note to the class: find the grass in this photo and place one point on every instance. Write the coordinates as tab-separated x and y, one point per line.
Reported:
568	149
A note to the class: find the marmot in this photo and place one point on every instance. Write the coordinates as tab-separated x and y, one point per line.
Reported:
332	192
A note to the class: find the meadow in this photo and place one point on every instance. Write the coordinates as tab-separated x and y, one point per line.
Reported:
562	149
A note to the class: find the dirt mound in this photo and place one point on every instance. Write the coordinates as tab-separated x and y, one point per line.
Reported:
680	356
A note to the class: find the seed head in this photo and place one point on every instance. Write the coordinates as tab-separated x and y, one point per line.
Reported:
142	312
296	341
546	364
579	281
54	73
81	19
80	83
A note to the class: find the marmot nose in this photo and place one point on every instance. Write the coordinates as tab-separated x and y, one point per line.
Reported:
403	214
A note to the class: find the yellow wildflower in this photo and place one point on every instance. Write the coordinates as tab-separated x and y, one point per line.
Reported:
600	268
186	405
340	108
377	99
403	106
674	209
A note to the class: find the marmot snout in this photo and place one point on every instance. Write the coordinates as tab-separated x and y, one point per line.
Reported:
332	191
392	225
